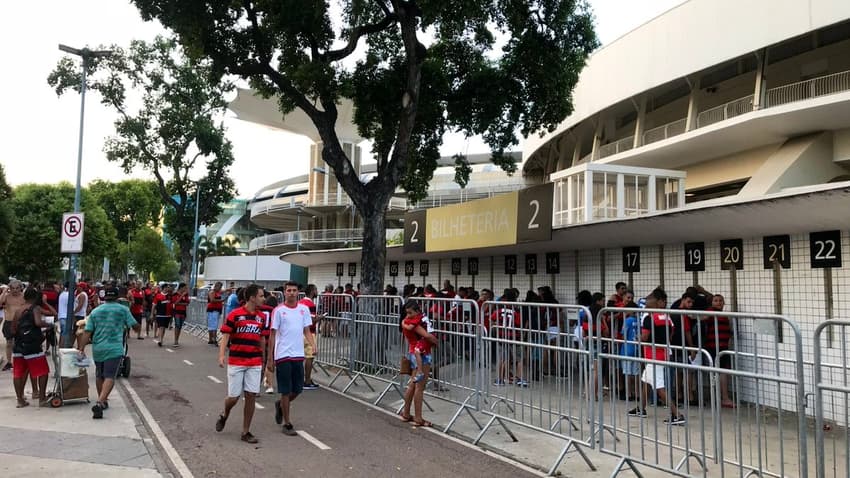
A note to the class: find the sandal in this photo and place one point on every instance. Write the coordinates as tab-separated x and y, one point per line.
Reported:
219	424
406	418
728	405
423	423
22	404
249	438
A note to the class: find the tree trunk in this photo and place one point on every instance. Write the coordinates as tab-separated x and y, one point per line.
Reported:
374	251
185	260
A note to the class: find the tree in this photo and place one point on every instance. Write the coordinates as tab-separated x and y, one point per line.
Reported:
489	68
7	220
174	129
34	246
129	204
148	254
220	246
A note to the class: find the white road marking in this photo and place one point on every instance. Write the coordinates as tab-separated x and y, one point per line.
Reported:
213	379
169	350
310	438
187	362
259	406
164	443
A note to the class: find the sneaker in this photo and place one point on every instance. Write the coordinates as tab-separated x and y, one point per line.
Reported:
8	366
249	438
637	412
521	383
674	420
97	411
270	390
289	430
311	386
278	413
159	343
177	346
499	383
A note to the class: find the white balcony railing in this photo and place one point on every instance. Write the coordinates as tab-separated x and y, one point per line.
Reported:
725	111
303	200
320	236
618	146
804	90
674	128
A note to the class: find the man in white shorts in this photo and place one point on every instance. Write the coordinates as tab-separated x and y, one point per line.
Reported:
245	332
290	329
656	330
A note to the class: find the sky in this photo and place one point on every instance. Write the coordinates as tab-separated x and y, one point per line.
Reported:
39	131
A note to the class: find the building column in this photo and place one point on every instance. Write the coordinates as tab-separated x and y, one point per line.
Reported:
597	138
693	105
576	151
760	86
640	121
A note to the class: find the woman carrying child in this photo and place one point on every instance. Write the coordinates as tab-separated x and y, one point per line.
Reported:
414	326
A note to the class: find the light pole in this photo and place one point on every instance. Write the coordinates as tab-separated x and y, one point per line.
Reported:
193	275
86	55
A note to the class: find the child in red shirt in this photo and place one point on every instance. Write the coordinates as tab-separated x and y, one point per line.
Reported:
418	347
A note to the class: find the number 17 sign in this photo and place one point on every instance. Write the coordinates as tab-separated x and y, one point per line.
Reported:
72	232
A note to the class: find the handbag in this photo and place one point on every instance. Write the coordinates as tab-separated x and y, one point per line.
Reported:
404	368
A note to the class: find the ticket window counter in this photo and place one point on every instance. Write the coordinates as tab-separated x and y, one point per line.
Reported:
597	192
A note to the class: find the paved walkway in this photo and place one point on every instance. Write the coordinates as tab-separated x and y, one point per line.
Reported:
66	441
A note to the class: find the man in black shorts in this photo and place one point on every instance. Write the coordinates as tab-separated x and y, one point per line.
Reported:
105	330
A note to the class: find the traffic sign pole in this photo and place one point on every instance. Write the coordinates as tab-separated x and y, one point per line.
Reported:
72	272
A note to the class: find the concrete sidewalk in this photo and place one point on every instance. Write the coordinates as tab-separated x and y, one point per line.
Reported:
66	441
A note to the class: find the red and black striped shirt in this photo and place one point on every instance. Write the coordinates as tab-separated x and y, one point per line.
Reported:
718	331
247	331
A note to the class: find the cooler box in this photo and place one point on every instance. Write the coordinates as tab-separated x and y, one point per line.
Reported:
67	358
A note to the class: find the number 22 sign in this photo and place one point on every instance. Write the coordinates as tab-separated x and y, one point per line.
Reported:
825	249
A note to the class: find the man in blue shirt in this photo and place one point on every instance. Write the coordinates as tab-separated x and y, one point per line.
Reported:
232	302
105	329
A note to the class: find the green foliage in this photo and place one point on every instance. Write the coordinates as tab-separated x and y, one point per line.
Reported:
396	240
7	220
33	251
147	253
489	68
218	247
173	133
129	204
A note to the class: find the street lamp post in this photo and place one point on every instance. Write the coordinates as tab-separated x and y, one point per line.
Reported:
193	275
86	56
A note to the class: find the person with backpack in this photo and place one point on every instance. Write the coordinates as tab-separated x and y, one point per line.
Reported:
27	354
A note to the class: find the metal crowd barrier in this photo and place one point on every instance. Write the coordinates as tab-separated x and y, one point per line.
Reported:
333	335
832	396
196	318
750	439
456	372
540	376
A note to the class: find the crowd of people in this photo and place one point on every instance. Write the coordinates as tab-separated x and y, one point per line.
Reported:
262	340
643	341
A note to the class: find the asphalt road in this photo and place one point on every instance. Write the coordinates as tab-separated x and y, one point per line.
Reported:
363	442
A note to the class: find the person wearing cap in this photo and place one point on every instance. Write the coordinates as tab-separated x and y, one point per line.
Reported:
105	331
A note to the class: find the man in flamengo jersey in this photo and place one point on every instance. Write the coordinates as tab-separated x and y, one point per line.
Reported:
149	295
244	333
179	304
162	311
136	296
290	328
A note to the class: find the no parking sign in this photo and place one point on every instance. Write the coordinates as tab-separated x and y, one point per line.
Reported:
72	232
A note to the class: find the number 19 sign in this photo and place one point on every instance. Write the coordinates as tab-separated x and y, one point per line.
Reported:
72	232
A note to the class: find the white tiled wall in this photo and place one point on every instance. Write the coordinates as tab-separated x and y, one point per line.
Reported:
803	298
